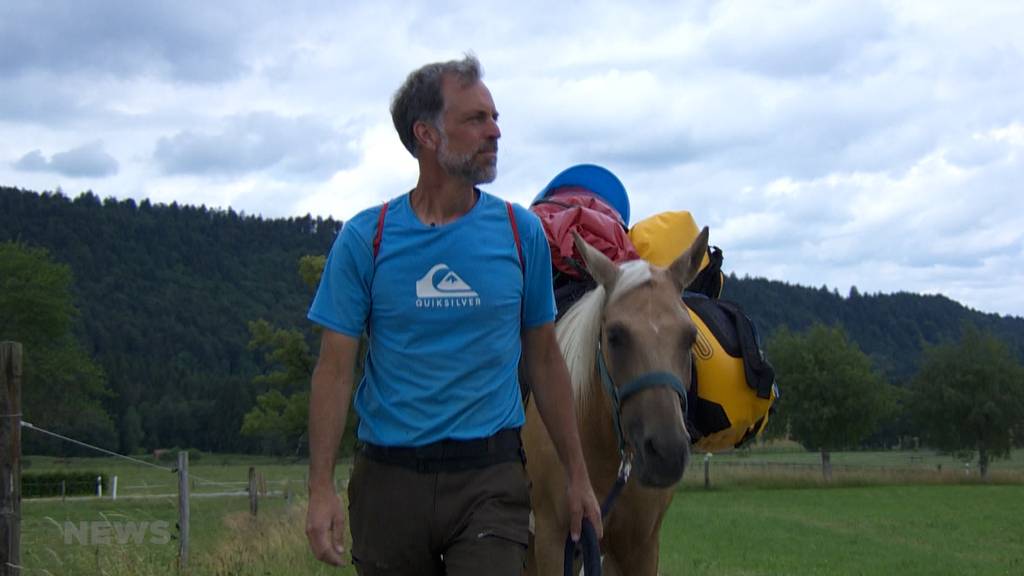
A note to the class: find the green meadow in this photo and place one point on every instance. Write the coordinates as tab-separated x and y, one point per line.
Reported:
904	530
765	513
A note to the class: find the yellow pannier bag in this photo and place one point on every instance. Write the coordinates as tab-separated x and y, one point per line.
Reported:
733	386
661	238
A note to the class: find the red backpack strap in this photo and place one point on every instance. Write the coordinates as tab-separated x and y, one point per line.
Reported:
511	218
515	234
380	230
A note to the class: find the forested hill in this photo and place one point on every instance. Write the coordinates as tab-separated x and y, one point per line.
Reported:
892	328
165	294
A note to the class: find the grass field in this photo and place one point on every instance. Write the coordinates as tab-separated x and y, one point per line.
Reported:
904	530
45	546
768	513
225	538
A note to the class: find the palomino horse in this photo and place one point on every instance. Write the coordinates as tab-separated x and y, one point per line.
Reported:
636	321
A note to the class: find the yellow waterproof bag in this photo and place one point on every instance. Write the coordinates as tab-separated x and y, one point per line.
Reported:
661	238
733	386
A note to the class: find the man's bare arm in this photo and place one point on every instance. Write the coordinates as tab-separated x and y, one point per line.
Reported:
329	400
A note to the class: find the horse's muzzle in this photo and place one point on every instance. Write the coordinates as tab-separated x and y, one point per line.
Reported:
659	460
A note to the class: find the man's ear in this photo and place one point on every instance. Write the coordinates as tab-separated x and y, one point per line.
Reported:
427	136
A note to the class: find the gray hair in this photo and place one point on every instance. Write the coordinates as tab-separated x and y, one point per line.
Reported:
419	99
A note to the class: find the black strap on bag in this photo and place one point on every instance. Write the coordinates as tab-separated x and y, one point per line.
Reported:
737	336
760	374
709	281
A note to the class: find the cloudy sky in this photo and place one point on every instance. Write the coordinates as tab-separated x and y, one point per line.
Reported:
838	143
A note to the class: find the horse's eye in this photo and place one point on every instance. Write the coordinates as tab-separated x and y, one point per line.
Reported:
617	336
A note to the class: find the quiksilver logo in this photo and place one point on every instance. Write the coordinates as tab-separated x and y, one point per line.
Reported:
441	287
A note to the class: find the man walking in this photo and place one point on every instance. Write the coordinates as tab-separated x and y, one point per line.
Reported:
453	286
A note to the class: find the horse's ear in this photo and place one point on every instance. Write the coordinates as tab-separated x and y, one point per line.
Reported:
686	267
600	266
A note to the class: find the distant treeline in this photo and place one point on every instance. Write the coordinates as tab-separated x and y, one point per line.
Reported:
165	294
893	329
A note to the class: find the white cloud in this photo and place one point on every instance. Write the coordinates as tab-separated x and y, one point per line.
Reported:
937	227
85	161
293	148
386	171
876	144
794	38
191	41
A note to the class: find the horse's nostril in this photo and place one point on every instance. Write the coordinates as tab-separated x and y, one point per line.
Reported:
665	452
659	450
650	448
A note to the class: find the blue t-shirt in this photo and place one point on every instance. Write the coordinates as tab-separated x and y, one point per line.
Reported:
444	308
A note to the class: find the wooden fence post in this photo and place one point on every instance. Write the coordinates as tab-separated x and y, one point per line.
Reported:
10	458
183	512
253	496
707	471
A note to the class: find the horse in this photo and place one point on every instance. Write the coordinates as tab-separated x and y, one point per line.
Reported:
634	327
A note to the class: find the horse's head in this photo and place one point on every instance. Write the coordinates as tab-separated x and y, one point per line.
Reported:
645	340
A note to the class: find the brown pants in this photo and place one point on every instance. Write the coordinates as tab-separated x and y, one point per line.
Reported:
463	523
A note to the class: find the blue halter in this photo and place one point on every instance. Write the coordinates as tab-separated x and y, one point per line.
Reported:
638	384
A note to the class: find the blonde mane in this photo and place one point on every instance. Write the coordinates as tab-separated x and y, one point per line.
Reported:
579	329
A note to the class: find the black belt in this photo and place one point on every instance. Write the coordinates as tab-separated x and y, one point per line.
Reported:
451	455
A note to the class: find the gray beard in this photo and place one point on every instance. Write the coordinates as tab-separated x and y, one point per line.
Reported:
462	166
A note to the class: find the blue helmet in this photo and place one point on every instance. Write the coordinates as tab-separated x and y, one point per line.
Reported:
596	179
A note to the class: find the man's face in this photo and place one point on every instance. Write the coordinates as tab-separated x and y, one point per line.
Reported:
469	132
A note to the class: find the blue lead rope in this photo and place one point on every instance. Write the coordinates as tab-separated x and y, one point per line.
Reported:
590	548
588	544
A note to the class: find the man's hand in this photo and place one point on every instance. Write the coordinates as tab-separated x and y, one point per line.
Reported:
582	503
328	408
325	526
